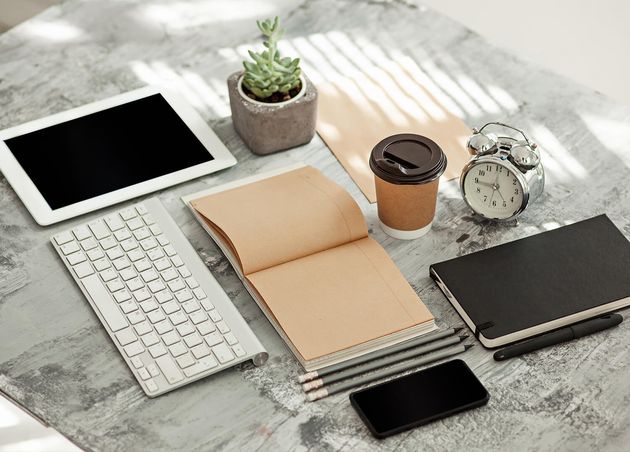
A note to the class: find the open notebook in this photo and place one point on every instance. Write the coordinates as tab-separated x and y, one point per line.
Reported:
300	244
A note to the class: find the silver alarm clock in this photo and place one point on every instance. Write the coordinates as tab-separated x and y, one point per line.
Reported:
504	176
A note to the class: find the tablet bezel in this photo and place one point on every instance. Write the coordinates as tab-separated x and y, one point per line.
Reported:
34	200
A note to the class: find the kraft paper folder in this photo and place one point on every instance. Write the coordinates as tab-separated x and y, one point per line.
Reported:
300	244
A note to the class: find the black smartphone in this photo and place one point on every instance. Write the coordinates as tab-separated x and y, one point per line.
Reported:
419	398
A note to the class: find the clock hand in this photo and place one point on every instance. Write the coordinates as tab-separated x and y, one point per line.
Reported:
487	184
499	192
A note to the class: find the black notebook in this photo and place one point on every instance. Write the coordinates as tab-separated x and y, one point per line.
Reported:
533	285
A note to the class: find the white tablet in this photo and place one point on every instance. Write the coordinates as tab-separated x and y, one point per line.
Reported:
106	152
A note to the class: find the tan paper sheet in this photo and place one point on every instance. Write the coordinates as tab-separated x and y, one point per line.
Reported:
283	218
355	113
339	298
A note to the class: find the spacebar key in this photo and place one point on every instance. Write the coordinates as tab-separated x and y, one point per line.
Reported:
104	302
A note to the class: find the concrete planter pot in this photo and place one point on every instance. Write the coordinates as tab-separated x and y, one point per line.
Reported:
266	128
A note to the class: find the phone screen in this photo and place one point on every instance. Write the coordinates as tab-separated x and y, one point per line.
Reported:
419	398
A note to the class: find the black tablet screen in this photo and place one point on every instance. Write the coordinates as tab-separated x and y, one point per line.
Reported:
107	150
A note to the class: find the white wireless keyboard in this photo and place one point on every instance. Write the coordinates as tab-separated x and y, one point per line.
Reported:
170	319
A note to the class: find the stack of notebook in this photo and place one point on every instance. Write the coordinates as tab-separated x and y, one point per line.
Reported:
300	244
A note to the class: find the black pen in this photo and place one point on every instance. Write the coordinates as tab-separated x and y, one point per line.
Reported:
562	335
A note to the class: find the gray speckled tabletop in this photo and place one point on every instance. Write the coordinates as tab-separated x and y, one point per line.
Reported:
56	359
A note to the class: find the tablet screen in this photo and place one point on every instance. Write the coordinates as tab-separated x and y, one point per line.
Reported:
107	150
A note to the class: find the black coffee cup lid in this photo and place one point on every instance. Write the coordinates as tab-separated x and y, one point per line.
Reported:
407	158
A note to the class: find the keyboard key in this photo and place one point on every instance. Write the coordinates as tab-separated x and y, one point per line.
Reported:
63	237
170	338
115	285
128	245
162	240
215	316
155	254
142	265
81	232
128	214
169	250
143	373
205	303
95	254
156	286
238	350
163	296
176	285
185	361
107	243
135	223
177	317
89	244
122	295
170	307
168	274
143	328
114	253
122	234
150	305
150	339
205	328
230	338
101	264
133	349
83	269
213	339
157	350
192	282
169	369
222	326
114	222
134	283
135	317
108	274
185	295
177	349
155	316
183	270
200	351
141	295
149	275
128	306
190	306
193	370
75	258
151	385
141	234
177	261
193	339
199	293
162	264
148	219
121	263
185	329
163	327
153	370
69	248
197	317
137	362
155	230
135	255
207	363
141	209
223	353
125	336
148	244
99	229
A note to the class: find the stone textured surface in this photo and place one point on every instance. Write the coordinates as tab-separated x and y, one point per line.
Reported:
55	357
267	129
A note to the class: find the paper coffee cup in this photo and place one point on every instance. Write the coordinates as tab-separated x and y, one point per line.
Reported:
407	170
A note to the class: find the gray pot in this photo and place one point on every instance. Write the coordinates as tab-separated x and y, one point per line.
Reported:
267	128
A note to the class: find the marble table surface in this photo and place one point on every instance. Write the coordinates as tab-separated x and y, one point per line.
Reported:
56	359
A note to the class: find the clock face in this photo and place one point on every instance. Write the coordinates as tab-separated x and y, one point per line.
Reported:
493	190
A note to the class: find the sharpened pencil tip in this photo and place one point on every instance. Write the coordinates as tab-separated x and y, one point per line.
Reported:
467	346
458	329
463	337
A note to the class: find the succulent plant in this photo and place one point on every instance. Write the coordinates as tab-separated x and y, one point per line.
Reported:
268	73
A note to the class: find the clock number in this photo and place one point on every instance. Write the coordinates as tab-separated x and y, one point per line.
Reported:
512	199
485	198
504	204
494	203
514	182
489	168
499	168
476	180
482	172
478	190
516	191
